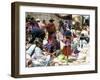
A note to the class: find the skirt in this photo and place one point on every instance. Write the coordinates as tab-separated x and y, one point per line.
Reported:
67	50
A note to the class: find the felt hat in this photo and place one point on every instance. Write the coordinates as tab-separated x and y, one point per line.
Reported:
51	20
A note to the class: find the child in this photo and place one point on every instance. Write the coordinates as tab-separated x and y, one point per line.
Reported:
67	48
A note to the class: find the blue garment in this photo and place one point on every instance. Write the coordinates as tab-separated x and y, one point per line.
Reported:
52	46
67	33
76	51
37	33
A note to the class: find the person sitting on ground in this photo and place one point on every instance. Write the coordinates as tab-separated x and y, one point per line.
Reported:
36	53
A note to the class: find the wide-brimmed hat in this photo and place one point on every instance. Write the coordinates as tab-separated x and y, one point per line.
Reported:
51	20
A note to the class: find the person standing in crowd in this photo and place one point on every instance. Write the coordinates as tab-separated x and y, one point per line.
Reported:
84	37
36	32
44	25
31	25
78	26
41	24
66	25
68	20
51	29
75	45
61	26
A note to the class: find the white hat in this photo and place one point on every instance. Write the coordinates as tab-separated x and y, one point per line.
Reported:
37	19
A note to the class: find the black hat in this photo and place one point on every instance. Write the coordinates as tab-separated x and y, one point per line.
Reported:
51	20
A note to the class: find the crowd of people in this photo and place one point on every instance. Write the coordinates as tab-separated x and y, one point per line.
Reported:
51	45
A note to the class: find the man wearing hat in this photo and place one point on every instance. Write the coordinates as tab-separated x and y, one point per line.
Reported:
51	29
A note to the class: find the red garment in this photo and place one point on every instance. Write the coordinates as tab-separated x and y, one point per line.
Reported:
51	31
51	28
67	50
49	38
